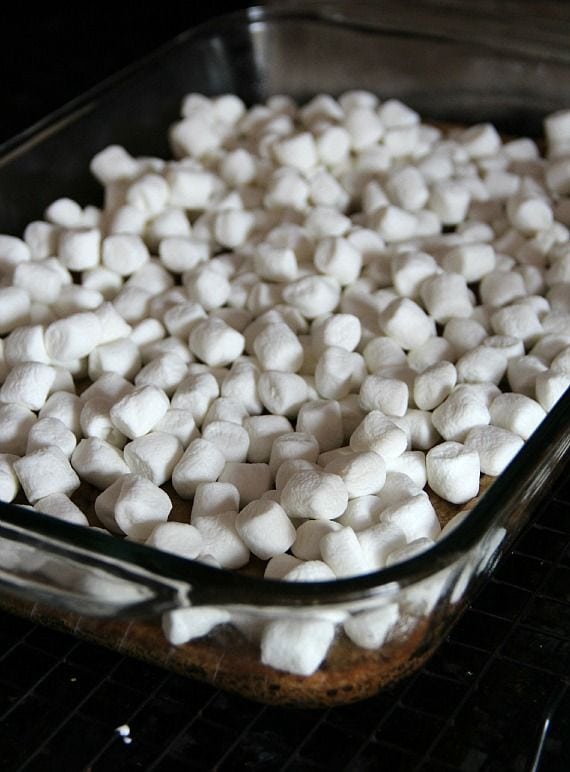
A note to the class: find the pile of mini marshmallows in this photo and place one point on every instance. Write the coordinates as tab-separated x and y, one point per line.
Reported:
304	319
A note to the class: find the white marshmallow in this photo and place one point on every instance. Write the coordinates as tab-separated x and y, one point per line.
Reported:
317	495
379	541
496	447
406	323
110	386
216	343
342	552
98	462
338	372
190	188
185	624
153	456
392	223
132	505
499	288
472	260
213	498
313	295
409	270
517	321
412	463
419	429
415	516
388	395
263	430
453	471
529	214
517	413
138	413
265	529
410	550
450	201
362	512
66	407
322	419
341	330
382	352
282	393
483	364
446	296
371	629
230	438
337	257
59	505
73	337
207	287
151	276
407	188
434	384
9	483
12	251
14	308
41	281
461	411
379	434
95	421
222	541
293	445
80	249
241	384
550	387
296	646
28	384
397	488
121	357
45	471
51	431
165	372
181	254
124	253
25	344
113	163
308	538
132	303
363	473
464	334
522	374
201	462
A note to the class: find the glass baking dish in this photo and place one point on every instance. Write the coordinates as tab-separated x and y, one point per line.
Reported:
449	63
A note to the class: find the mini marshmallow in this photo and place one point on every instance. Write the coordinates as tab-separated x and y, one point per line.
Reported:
412	463
461	411
216	343
9	483
317	495
59	505
550	387
496	447
472	261
370	629
522	374
124	253
263	431
313	295
511	347
73	337
296	646
379	434
265	529
407	188
207	287
383	352
362	512
14	308
338	372
336	257
341	330
561	362
363	473
45	471
378	541
410	550
95	421
138	413
453	471
110	386
222	541
232	227
517	321
153	456
282	393
342	552
165	372
64	406
241	384
186	624
80	249
392	223
415	516
406	323
153	277
322	419
201	462
42	282
483	364
25	344
132	505
98	462
230	438
179	538
420	431
446	296
464	334
163	346
28	384
213	498
499	288
450	201
517	413
529	214
51	431
397	488
121	357
132	303
434	384
310	571
409	270
277	348
293	445
12	251
308	538
388	395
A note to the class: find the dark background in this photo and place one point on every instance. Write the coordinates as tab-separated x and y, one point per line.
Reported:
54	52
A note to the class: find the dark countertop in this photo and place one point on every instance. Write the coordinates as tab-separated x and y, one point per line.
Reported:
479	704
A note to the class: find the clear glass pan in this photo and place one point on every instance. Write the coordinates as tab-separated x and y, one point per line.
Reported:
468	66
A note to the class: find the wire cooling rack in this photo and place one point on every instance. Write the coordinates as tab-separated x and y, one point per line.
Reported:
494	697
